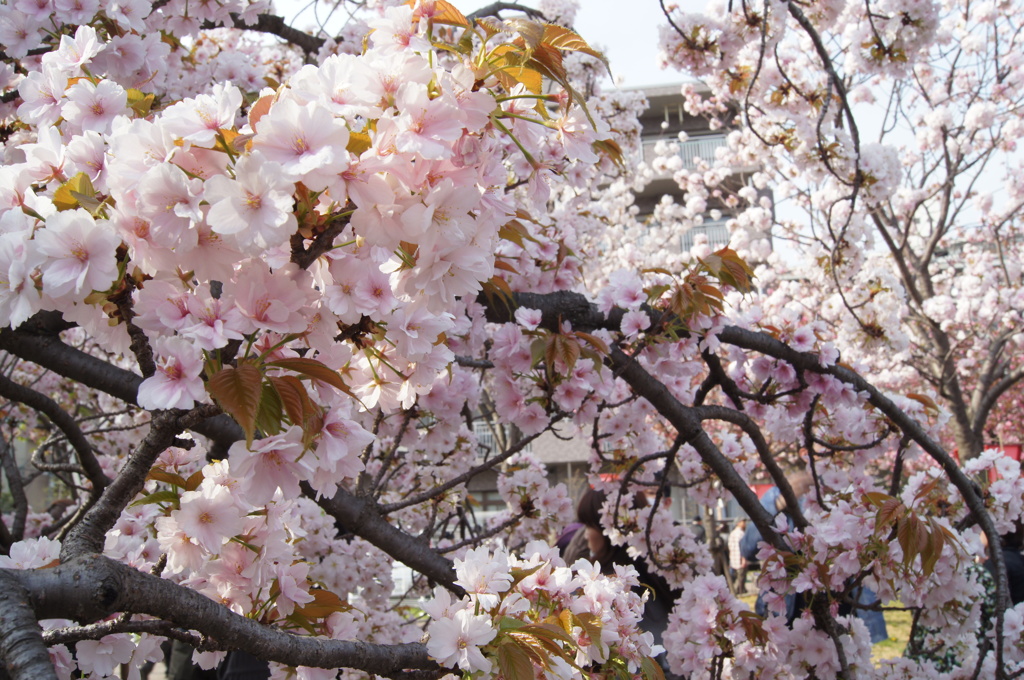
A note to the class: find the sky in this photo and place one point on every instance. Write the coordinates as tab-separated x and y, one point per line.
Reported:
627	32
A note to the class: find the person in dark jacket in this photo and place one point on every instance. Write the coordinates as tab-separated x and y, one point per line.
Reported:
1011	544
663	598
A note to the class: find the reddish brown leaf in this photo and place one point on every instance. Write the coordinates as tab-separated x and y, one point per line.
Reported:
311	368
237	391
293	396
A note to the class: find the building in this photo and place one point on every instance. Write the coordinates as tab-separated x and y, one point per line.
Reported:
664	120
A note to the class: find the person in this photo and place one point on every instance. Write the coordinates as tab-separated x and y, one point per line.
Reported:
862	597
606	555
774	503
1010	545
699	533
738	563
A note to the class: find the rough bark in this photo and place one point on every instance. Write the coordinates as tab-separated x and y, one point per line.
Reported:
360	516
21	639
92	587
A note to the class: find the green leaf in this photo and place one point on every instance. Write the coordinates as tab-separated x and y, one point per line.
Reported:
162	496
237	391
537	350
509	623
519	574
270	412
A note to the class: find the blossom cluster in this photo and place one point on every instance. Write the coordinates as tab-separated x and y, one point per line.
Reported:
585	622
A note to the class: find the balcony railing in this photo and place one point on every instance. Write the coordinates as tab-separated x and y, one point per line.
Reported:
716	231
690	151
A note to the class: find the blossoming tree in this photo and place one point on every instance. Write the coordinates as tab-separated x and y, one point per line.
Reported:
888	134
251	305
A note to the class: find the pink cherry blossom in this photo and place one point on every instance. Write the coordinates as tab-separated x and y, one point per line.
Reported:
79	252
457	641
93	107
177	382
308	142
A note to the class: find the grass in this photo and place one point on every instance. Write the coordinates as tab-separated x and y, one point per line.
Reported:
897	623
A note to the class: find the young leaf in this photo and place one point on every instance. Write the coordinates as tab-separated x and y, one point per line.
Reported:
194	480
293	397
163	496
323	605
161	475
562	38
651	669
594	341
358	142
312	368
929	404
270	412
505	266
237	391
446	13
912	537
513	662
564	348
67	196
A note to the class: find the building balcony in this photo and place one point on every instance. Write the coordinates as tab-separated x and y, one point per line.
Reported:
691	152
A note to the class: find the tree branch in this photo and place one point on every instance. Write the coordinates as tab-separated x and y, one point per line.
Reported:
17	491
275	25
21	642
63	420
88	535
687	423
362	517
92	587
37	341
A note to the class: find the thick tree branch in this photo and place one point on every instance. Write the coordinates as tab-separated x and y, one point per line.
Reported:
92	587
22	650
361	517
88	535
37	341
